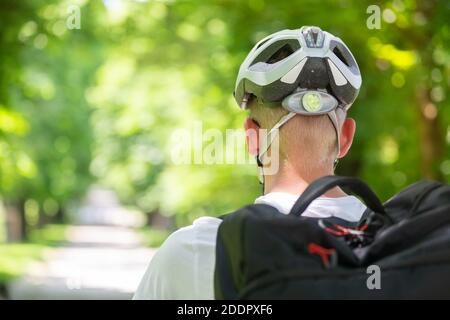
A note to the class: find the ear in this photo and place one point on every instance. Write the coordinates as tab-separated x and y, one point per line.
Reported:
347	133
252	136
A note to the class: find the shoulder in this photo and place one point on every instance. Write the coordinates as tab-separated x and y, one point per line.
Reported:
183	267
182	244
201	229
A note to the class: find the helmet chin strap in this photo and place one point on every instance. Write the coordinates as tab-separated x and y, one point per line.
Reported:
334	120
273	133
264	147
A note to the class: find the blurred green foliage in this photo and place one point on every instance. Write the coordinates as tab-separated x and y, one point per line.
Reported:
99	104
153	237
15	258
50	235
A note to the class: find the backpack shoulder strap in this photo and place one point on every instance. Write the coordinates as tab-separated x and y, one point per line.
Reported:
322	185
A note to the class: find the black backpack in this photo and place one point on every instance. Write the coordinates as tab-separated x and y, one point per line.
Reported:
399	250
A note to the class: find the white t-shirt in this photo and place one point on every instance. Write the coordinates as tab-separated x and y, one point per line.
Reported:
183	268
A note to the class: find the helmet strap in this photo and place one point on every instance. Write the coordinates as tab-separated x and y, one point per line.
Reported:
260	173
334	120
273	133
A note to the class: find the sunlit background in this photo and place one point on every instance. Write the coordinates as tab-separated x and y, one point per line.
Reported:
88	188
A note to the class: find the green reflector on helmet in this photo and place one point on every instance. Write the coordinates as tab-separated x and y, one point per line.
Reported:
311	102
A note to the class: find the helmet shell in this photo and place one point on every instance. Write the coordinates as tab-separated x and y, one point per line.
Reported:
306	58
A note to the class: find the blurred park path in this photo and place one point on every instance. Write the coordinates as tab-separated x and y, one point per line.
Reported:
102	258
97	262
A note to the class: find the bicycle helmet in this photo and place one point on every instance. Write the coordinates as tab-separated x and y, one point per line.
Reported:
307	58
308	71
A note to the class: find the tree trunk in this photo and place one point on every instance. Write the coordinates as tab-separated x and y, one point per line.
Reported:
431	135
12	224
23	221
43	219
431	142
16	226
59	216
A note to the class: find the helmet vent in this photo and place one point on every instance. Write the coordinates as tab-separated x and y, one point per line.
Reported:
284	52
338	54
262	42
276	51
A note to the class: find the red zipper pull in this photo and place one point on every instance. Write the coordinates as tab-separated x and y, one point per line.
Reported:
324	253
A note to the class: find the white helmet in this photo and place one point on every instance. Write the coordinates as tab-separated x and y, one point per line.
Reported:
308	71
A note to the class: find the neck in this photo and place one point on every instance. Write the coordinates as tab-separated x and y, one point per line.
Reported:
295	180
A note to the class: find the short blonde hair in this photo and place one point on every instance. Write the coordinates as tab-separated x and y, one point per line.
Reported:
310	140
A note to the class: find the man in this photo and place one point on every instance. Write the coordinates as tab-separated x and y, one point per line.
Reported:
299	85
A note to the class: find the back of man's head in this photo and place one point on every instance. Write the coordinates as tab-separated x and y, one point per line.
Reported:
306	142
302	81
